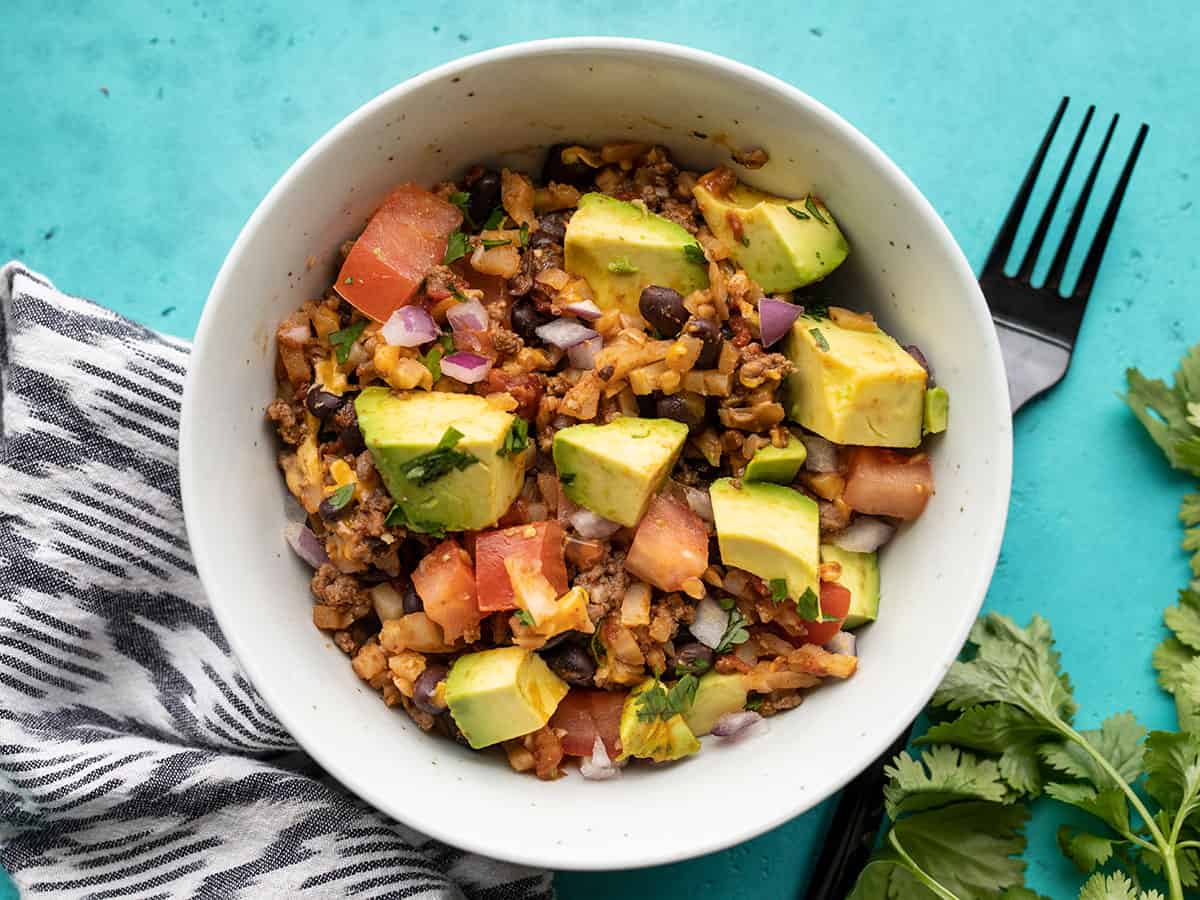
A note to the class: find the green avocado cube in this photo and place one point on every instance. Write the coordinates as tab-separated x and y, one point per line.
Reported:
860	576
716	695
769	530
500	694
399	427
621	248
937	410
852	386
782	244
778	464
615	469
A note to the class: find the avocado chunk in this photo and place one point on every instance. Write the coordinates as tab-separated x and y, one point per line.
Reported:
769	530
853	386
937	410
497	695
778	464
716	695
621	248
660	736
452	493
782	244
860	576
615	469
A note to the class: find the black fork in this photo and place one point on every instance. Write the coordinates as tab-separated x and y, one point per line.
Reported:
1037	327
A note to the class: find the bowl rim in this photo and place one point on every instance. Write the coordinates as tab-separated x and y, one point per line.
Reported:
622	855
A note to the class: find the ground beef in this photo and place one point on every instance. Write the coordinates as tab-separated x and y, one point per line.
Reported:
833	516
605	584
289	421
332	588
358	540
778	701
680	213
506	342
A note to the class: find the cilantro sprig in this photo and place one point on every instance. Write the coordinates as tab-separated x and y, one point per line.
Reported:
661	702
343	341
735	632
517	439
441	460
456	247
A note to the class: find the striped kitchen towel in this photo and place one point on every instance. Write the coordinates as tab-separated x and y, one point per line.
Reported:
135	759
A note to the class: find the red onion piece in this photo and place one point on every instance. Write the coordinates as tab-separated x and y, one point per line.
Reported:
915	352
583	354
843	643
598	766
469	368
468	315
866	534
584	309
306	544
775	317
589	525
409	326
743	724
822	454
710	623
564	333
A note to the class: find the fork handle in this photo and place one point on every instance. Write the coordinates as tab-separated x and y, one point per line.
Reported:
856	821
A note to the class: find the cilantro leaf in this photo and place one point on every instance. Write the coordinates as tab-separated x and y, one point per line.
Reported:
811	205
941	775
462	200
525	618
653	703
1187	695
819	338
1170	658
808	606
523	235
342	341
735	632
1086	850
432	360
495	217
779	589
339	498
398	518
443	459
499	242
1108	805
456	247
1118	740
1173	770
682	694
1184	618
888	876
694	253
1003	729
517	439
1167	413
799	215
622	266
1114	887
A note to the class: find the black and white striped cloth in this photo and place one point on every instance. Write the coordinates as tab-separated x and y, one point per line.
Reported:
135	759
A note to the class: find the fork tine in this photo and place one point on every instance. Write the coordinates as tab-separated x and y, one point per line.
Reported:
1091	264
1008	231
1043	225
1059	264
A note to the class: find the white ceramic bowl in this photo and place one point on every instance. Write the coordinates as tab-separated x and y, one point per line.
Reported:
500	107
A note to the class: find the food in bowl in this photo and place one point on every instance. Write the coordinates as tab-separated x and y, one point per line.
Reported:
590	468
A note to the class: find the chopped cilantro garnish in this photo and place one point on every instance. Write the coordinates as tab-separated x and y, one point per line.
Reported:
348	280
735	632
754	703
524	237
343	340
494	219
808	607
597	647
461	199
819	338
779	590
501	242
456	247
659	702
432	360
622	266
517	438
816	310
339	498
396	518
695	254
696	667
567	477
799	215
442	459
811	206
726	603
525	618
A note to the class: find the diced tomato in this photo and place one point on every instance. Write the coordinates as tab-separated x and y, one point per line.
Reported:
886	483
537	542
583	714
525	387
670	546
445	581
835	601
404	240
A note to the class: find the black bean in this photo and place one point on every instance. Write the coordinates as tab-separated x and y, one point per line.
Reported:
412	600
425	689
687	408
485	196
322	404
663	308
693	657
710	335
552	229
352	439
572	664
525	321
579	174
327	511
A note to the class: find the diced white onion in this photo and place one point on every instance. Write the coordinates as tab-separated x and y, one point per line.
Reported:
589	525
598	766
843	643
866	534
564	333
710	624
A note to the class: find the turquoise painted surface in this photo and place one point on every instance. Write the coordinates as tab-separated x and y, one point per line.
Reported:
139	137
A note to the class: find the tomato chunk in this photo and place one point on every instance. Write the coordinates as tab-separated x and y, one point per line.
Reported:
445	581
537	542
583	714
835	601
404	240
886	483
670	546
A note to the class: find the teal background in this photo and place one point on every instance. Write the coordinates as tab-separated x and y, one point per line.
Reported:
139	137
